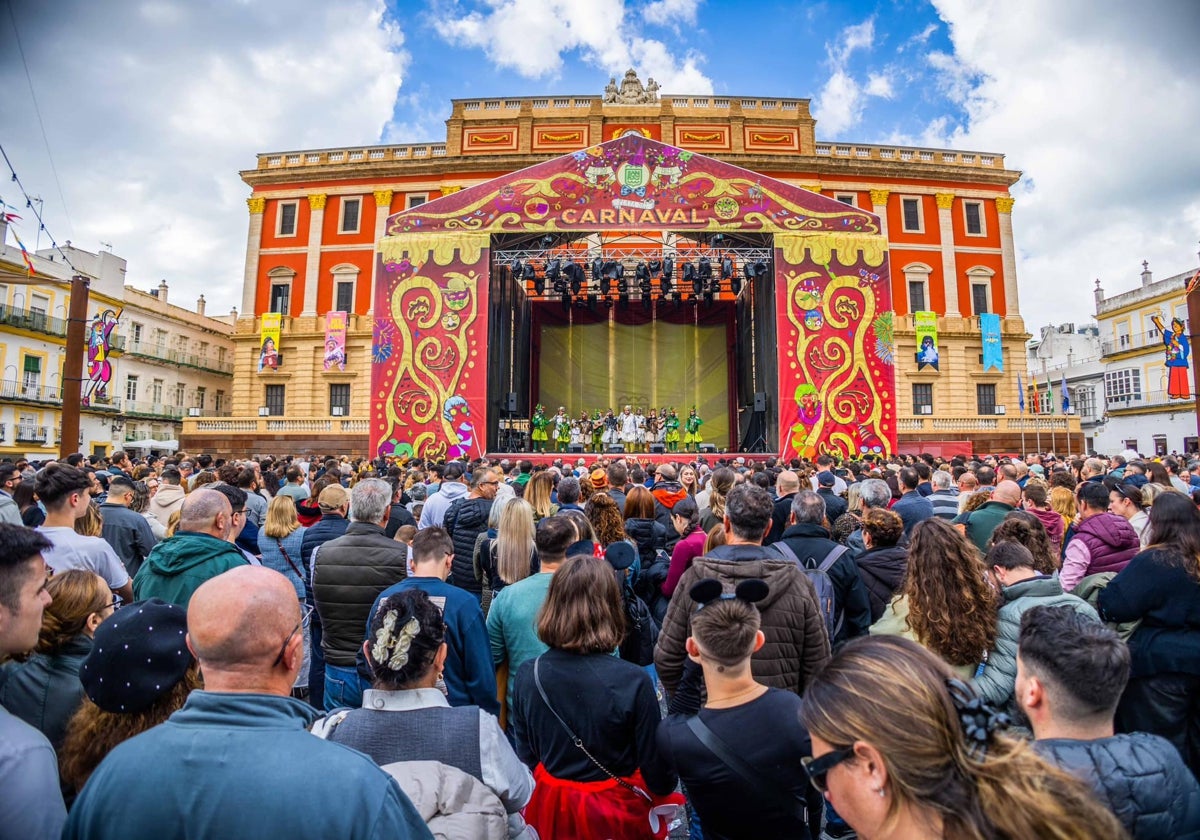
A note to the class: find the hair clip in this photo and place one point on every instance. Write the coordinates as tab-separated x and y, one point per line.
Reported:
979	718
704	592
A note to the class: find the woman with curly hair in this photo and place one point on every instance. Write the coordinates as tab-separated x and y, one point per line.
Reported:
901	748
1023	527
44	690
601	510
946	603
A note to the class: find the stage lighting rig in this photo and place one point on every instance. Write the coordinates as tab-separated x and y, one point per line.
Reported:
668	268
554	275
530	273
575	276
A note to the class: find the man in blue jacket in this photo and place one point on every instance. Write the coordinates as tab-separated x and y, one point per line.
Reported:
470	676
237	759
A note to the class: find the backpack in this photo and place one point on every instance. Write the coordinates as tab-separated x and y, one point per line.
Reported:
822	583
641	632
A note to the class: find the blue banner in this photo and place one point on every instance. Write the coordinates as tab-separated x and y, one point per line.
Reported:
993	351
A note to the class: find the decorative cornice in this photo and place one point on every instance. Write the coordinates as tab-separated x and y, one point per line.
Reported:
811	187
1004	204
450	189
256	204
383	198
879	198
316	201
944	200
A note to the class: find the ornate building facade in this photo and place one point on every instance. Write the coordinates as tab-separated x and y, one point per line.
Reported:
315	216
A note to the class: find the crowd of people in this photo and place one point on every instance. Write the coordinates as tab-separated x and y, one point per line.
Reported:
893	647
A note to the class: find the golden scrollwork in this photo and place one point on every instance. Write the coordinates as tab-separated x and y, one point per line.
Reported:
821	245
879	198
383	198
449	189
316	201
569	137
693	137
1004	204
440	246
257	204
756	137
944	200
489	139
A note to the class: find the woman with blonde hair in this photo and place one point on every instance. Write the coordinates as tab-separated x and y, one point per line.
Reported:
688	480
1062	502
91	524
513	556
902	748
723	480
44	691
945	603
279	541
852	519
538	492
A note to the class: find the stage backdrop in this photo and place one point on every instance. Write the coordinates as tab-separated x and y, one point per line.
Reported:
836	381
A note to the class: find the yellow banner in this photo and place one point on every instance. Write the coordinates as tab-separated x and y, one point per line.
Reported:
268	342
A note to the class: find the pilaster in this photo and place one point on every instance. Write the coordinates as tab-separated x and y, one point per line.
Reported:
256	204
879	200
1008	257
383	206
312	265
945	205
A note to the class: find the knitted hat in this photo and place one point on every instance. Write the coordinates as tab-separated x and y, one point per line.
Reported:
138	654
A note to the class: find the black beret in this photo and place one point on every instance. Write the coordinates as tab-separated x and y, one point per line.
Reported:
138	654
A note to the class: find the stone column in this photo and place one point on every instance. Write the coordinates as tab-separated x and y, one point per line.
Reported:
253	245
1008	256
312	266
879	200
945	201
383	206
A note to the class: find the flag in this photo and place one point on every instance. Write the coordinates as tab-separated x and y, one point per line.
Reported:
1066	397
29	270
1020	394
1049	394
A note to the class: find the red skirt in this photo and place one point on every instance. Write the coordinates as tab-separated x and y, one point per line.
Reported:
565	810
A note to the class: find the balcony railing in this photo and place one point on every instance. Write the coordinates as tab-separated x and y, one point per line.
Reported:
166	356
945	425
1148	399
97	403
33	434
1125	343
27	319
11	390
154	409
263	425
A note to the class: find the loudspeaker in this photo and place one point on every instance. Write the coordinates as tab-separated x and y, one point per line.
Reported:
708	448
510	401
760	401
658	448
614	448
575	448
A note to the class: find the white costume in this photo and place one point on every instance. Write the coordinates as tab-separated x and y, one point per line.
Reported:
561	420
641	427
629	427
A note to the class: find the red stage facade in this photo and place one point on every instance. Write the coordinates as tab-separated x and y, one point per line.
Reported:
835	382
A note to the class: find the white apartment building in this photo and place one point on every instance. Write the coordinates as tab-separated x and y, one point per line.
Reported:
1070	351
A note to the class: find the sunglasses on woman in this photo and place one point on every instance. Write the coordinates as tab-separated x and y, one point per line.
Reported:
818	768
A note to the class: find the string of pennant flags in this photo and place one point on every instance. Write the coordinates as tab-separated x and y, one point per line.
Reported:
9	215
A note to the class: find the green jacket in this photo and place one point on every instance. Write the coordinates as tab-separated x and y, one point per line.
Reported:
981	522
177	566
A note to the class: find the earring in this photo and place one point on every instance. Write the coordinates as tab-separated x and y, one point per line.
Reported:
881	791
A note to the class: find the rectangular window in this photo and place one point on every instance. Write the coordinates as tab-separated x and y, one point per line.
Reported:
3	295
916	296
1122	386
1085	402
200	392
279	297
985	399
32	375
414	201
156	391
1131	444
131	383
219	402
274	400
287	219
344	298
339	399
160	341
221	355
179	394
135	333
911	208
979	298
38	307
203	353
1122	329
847	198
973	215
350	213
922	398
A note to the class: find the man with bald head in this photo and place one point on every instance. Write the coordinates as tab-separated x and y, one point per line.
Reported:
787	485
199	551
979	523
237	759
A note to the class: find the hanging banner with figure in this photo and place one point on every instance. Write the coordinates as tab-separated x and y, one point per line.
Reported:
268	342
335	340
1178	351
993	350
927	339
99	368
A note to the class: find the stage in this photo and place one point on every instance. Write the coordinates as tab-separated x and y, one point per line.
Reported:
543	459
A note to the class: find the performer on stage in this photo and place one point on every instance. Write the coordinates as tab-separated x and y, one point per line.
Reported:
651	427
672	436
662	425
562	430
581	432
597	431
640	420
691	436
539	424
611	427
629	429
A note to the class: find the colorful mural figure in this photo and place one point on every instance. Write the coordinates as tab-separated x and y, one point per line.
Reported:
99	343
1178	353
927	339
335	340
832	289
268	348
457	414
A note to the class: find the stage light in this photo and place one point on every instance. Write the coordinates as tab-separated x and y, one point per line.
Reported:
705	269
530	273
643	277
664	282
690	275
575	276
597	270
726	268
760	269
554	275
516	269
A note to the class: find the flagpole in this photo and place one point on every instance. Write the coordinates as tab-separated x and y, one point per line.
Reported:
1021	403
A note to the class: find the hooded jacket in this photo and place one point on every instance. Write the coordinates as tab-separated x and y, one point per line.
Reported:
1053	522
1102	543
177	566
436	504
166	501
1140	777
666	495
882	571
650	536
45	691
797	645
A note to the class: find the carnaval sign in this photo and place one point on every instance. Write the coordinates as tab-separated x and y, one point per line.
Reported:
335	340
927	339
268	342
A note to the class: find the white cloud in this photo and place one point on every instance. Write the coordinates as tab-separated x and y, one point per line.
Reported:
1096	105
530	37
840	103
152	108
671	12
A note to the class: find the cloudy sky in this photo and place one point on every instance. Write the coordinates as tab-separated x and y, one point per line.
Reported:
131	119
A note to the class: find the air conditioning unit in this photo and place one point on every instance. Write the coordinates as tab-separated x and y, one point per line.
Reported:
927	409
338	411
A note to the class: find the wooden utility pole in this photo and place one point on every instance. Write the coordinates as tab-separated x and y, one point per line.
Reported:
1193	310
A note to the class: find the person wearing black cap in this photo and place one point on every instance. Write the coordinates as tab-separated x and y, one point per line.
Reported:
835	505
237	759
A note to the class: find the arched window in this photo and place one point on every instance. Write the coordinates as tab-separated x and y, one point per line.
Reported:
345	281
979	280
916	282
281	289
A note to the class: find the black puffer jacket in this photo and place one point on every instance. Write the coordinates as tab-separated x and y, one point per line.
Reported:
650	536
465	520
882	571
350	573
1140	777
